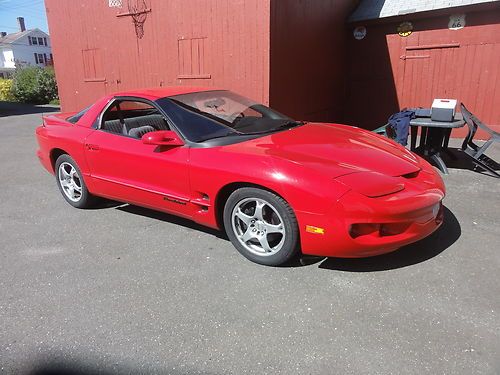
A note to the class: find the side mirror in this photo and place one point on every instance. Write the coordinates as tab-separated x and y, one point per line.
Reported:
162	138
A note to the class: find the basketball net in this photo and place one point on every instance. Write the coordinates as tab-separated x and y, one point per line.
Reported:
138	11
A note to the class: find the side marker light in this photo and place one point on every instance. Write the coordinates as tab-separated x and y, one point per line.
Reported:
314	230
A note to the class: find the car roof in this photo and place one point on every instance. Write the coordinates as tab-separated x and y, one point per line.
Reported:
162	92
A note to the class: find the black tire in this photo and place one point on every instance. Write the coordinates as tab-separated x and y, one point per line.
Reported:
276	209
85	199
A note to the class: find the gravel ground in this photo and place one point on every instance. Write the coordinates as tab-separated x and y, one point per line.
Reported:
121	289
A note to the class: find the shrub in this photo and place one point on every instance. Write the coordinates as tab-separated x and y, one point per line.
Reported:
34	85
5	89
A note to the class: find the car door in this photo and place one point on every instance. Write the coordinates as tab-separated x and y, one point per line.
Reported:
122	167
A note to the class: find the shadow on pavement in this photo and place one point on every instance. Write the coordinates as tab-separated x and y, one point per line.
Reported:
15	109
415	253
157	215
456	159
76	367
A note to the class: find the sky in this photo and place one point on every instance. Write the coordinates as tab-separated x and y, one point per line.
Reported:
33	12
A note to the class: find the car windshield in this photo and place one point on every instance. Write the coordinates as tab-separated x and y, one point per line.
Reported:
201	116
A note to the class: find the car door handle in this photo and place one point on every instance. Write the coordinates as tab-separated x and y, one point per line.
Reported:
91	147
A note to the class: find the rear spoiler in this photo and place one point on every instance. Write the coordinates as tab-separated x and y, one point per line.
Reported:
56	119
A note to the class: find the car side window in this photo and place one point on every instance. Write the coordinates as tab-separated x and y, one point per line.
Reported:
132	119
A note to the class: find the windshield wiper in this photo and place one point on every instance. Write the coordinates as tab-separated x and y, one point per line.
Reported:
289	124
228	134
286	125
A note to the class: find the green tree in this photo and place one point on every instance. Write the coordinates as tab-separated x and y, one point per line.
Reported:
34	85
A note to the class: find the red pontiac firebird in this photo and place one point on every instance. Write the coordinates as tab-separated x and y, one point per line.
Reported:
275	185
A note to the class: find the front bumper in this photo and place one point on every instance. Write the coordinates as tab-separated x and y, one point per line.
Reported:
396	220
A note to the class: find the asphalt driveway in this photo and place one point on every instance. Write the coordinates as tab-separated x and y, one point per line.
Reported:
128	290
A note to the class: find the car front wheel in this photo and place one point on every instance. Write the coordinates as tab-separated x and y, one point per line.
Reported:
262	226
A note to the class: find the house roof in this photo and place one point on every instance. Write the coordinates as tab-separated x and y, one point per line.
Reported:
11	38
373	9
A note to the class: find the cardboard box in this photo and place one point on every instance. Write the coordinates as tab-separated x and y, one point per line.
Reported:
443	110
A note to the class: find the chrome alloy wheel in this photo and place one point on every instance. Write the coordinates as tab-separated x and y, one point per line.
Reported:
70	181
258	226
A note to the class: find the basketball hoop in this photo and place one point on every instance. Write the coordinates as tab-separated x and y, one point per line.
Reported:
138	9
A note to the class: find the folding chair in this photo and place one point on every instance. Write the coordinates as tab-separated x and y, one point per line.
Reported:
386	131
475	152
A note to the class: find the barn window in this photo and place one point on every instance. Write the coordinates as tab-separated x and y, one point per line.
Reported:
192	59
92	65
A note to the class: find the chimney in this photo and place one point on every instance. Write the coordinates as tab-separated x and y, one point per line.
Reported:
20	22
2	34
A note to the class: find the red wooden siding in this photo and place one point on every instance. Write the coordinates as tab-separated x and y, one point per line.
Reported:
389	72
308	59
299	56
222	43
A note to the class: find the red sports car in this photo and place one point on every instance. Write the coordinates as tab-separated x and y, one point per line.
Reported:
275	185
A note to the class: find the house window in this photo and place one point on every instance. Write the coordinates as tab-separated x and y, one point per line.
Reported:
40	41
36	58
34	41
40	58
29	40
45	58
45	41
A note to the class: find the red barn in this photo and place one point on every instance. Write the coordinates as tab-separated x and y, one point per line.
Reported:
279	51
299	56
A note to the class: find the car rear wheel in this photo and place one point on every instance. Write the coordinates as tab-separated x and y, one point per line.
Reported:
71	184
262	226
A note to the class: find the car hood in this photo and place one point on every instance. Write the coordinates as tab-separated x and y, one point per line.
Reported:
335	149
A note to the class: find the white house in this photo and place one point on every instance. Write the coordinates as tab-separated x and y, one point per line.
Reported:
25	47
